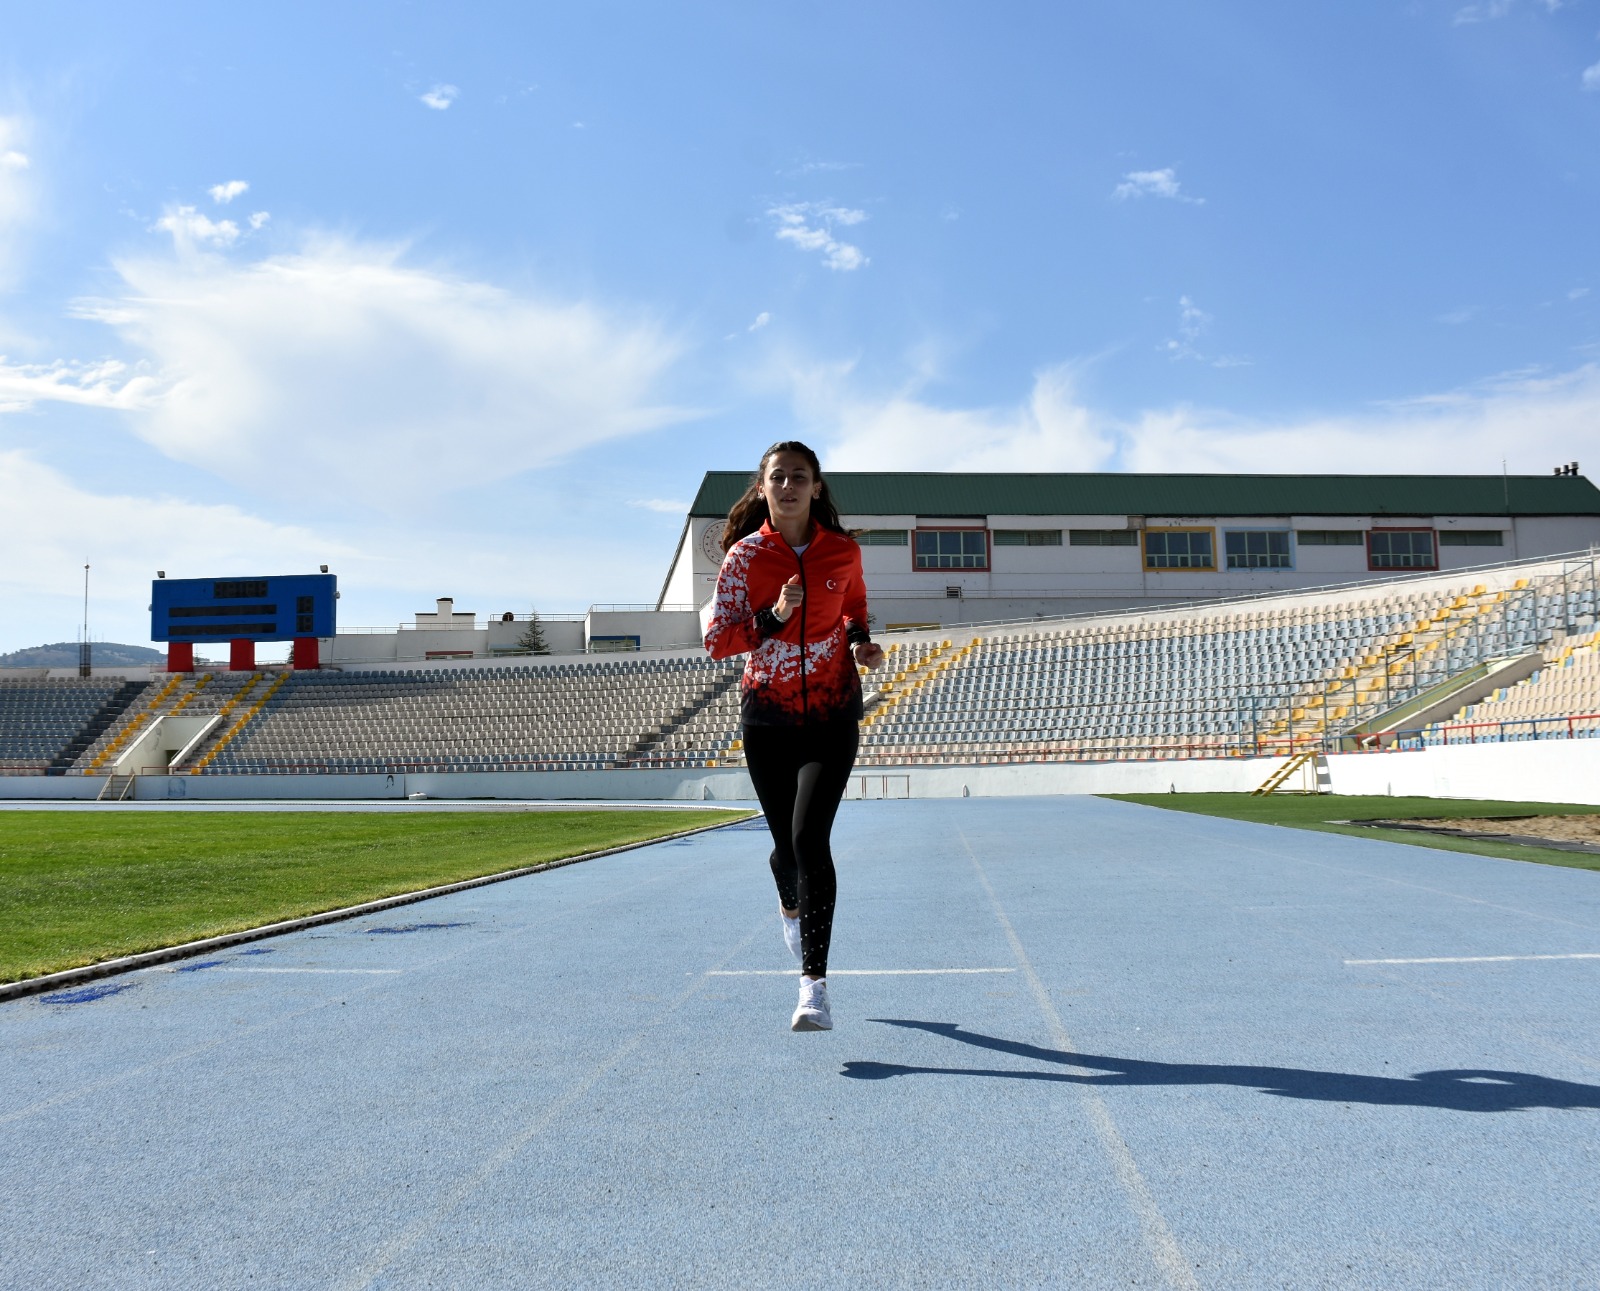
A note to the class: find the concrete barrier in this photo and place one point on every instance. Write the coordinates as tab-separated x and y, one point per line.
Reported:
1530	771
1520	771
706	785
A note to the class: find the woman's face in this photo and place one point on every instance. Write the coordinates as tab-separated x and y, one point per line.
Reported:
790	486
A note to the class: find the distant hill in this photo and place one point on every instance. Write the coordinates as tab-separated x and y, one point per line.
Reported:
64	654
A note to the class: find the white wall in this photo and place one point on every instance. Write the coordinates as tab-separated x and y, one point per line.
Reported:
720	784
656	629
409	647
1532	771
723	785
156	744
679	588
1527	771
1027	581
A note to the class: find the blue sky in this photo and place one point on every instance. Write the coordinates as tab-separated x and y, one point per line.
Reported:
463	300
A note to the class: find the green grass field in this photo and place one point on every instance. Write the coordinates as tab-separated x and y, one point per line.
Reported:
79	887
1319	811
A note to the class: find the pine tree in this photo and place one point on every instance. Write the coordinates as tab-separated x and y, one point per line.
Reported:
532	638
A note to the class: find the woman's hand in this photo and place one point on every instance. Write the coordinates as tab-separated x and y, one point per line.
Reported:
869	654
789	599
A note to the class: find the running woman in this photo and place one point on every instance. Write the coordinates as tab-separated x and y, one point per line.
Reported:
791	595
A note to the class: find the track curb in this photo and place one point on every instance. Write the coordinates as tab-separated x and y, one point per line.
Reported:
205	946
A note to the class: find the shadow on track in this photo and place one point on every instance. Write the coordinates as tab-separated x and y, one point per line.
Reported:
1458	1091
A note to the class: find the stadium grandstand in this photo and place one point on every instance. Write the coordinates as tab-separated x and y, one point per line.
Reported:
1401	658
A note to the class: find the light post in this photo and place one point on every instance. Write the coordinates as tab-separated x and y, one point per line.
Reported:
85	651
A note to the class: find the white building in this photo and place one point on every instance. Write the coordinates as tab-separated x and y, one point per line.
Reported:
954	548
445	635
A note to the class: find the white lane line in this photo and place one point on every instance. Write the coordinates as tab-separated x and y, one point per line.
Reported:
853	972
1472	959
1167	1255
363	1276
544	920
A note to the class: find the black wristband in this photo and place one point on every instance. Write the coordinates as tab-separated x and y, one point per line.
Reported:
768	623
858	635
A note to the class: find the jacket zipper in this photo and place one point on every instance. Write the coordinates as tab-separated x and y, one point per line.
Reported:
805	708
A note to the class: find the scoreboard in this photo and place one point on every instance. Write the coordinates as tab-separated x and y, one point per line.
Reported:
243	609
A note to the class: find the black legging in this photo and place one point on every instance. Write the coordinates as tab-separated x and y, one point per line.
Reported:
800	773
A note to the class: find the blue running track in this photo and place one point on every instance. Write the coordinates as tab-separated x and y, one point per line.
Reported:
1166	1060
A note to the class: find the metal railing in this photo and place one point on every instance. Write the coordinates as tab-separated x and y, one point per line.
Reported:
1577	726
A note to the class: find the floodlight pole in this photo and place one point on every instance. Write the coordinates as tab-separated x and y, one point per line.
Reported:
85	651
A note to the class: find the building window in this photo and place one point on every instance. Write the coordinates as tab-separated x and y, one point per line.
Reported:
1401	549
1103	537
1329	537
1179	549
1257	548
952	549
613	644
1472	538
1027	537
881	537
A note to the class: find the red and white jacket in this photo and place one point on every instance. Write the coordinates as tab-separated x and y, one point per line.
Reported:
802	672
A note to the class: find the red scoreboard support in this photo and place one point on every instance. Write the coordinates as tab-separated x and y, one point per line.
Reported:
180	656
241	655
305	653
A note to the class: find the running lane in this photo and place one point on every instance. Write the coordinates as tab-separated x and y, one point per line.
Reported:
1079	1043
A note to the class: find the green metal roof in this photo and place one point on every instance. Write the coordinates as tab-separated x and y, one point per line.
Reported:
929	494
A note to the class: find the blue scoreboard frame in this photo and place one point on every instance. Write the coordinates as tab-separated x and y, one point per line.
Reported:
243	609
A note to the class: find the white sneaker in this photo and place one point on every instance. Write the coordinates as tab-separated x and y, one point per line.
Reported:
812	1012
791	935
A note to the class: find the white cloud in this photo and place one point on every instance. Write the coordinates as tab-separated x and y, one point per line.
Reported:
108	384
258	220
1482	12
821	167
1052	431
1591	77
761	320
809	226
1577	293
440	97
1192	324
225	193
50	527
1489	10
1536	419
341	371
666	506
190	228
17	195
1456	317
1154	183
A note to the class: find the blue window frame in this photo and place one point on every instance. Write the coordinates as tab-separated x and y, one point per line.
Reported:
1258	549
